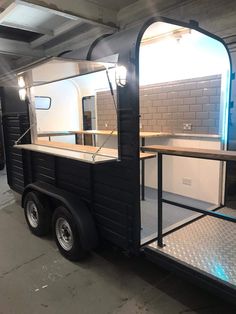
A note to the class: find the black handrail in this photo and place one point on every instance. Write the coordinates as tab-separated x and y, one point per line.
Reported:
161	200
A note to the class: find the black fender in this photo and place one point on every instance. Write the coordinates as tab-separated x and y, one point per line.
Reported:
78	209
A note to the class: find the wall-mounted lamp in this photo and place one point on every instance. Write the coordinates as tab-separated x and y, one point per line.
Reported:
22	90
21	82
121	75
22	94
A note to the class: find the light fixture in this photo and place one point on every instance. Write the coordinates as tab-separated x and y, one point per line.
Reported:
21	82
121	75
22	94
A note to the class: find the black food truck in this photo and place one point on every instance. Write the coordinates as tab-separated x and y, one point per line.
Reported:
129	186
2	157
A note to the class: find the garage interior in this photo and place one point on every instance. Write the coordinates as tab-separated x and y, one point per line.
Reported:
35	278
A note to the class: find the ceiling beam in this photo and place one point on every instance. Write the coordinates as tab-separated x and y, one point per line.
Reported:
84	9
19	48
59	31
80	41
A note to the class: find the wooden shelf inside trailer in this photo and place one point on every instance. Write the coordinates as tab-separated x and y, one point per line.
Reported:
114	133
223	155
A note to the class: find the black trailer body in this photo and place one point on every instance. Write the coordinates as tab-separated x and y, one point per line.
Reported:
2	155
110	190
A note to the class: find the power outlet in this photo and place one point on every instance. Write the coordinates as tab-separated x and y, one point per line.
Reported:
187	181
187	126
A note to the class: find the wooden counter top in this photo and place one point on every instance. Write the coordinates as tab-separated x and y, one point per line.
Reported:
65	153
192	152
142	134
106	152
55	133
108	132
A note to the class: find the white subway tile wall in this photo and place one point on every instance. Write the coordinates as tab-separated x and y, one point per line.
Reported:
167	107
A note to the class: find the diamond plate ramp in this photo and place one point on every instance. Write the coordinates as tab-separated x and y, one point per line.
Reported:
208	245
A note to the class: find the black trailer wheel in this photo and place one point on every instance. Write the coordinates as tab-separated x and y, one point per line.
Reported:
67	235
37	213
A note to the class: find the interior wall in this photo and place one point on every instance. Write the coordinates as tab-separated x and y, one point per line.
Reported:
200	107
190	177
63	114
106	113
91	85
166	107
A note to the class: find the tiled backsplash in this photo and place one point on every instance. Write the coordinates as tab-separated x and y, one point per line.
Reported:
106	113
172	107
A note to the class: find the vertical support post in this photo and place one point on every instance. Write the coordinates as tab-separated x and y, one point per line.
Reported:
94	139
143	173
159	202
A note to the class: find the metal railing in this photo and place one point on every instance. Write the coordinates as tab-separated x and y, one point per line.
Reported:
161	200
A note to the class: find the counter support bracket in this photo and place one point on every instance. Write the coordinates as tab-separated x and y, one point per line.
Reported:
143	173
160	201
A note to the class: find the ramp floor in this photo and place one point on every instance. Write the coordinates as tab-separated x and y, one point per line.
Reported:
208	245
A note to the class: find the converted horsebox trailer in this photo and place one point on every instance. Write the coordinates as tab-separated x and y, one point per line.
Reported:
90	193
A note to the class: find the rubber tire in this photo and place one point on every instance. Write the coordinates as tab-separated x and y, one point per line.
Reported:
44	213
77	253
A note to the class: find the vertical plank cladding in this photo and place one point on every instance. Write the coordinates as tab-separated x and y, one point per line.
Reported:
74	176
113	201
66	174
43	168
14	125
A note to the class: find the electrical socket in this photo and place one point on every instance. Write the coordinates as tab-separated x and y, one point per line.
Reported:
187	126
187	181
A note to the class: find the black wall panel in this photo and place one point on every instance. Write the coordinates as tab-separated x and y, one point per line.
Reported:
75	177
14	125
111	188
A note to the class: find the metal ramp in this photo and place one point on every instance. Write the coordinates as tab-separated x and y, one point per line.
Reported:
204	250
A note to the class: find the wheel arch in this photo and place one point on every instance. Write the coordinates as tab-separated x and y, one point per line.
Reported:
77	207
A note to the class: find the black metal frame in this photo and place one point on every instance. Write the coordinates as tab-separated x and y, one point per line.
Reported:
161	200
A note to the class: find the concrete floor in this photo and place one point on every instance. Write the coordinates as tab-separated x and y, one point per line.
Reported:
35	279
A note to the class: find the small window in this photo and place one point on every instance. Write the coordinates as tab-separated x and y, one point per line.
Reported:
42	103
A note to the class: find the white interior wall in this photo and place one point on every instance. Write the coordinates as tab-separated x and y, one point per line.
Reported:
204	175
63	115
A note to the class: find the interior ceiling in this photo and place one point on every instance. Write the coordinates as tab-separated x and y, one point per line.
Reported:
115	5
32	30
